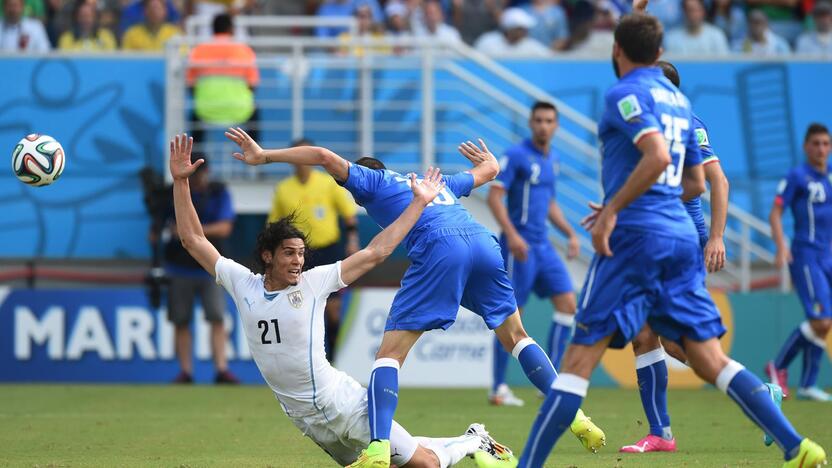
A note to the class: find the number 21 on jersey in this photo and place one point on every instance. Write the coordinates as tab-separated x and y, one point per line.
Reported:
674	128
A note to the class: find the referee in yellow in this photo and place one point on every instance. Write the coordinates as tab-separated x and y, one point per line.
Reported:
317	202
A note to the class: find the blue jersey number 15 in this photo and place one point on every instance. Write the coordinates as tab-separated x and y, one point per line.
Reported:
674	127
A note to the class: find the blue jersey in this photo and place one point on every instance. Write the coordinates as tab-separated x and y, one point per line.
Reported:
386	194
529	180
809	195
641	103
694	206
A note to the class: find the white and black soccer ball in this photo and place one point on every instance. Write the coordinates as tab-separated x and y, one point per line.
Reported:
38	160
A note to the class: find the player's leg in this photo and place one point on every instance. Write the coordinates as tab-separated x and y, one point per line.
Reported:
521	275
180	312
213	304
804	273
383	389
815	332
552	280
651	370
711	364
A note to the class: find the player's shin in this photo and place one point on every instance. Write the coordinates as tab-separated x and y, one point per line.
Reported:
535	363
651	370
555	416
749	392
450	450
382	397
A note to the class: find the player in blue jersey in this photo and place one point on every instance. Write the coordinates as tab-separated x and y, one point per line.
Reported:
454	261
651	368
807	191
648	263
527	175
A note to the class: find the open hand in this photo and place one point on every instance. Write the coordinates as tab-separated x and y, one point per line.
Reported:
252	152
429	187
714	254
476	154
181	166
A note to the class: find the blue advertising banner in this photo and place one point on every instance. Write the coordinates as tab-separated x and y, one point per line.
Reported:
103	335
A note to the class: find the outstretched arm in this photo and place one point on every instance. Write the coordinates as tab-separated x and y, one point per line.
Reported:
254	155
386	241
485	164
188	227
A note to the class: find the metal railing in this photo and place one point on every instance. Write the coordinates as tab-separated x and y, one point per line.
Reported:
411	109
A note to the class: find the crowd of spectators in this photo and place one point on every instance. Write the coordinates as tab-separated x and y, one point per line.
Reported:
502	28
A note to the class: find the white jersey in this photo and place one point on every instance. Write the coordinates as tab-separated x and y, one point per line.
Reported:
285	333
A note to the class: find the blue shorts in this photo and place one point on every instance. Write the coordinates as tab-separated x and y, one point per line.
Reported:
811	273
543	271
650	278
449	269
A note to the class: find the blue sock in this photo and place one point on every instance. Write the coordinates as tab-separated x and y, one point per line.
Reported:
791	347
559	334
555	416
652	385
500	365
382	397
535	364
752	395
812	356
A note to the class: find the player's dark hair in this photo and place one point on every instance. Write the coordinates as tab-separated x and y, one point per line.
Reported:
640	37
272	236
815	129
145	3
301	142
372	163
545	105
670	72
222	24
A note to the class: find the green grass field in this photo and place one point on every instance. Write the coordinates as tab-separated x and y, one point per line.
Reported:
211	426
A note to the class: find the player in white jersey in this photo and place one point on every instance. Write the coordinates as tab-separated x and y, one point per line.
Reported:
282	315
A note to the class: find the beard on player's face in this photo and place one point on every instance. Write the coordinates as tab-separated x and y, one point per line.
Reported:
286	262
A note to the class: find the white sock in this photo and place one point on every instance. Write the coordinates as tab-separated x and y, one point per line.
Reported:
450	450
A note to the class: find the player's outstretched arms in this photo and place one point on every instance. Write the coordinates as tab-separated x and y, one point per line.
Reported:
486	168
387	240
188	227
693	182
252	154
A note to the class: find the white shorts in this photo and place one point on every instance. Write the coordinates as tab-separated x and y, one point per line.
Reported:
342	427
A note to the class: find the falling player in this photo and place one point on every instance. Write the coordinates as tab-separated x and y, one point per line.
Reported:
454	261
647	266
528	173
282	313
807	191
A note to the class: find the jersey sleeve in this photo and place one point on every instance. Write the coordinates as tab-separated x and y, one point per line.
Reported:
631	112
363	182
704	142
460	184
786	190
325	279
230	273
507	171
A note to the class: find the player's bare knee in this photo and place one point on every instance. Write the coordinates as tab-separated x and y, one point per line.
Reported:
821	327
706	358
674	349
565	303
645	341
423	458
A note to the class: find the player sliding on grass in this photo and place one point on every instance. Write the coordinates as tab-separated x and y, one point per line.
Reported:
282	312
454	260
648	263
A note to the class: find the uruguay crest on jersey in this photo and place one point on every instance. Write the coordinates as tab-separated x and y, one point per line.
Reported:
296	299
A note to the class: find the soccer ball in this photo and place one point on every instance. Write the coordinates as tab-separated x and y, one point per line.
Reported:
38	160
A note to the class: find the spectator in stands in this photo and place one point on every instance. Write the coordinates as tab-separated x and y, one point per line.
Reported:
473	18
819	41
20	34
398	22
318	202
696	37
512	39
551	24
222	74
85	34
32	9
187	279
133	14
669	12
783	16
154	32
728	16
761	41
435	25
345	8
367	30
591	29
